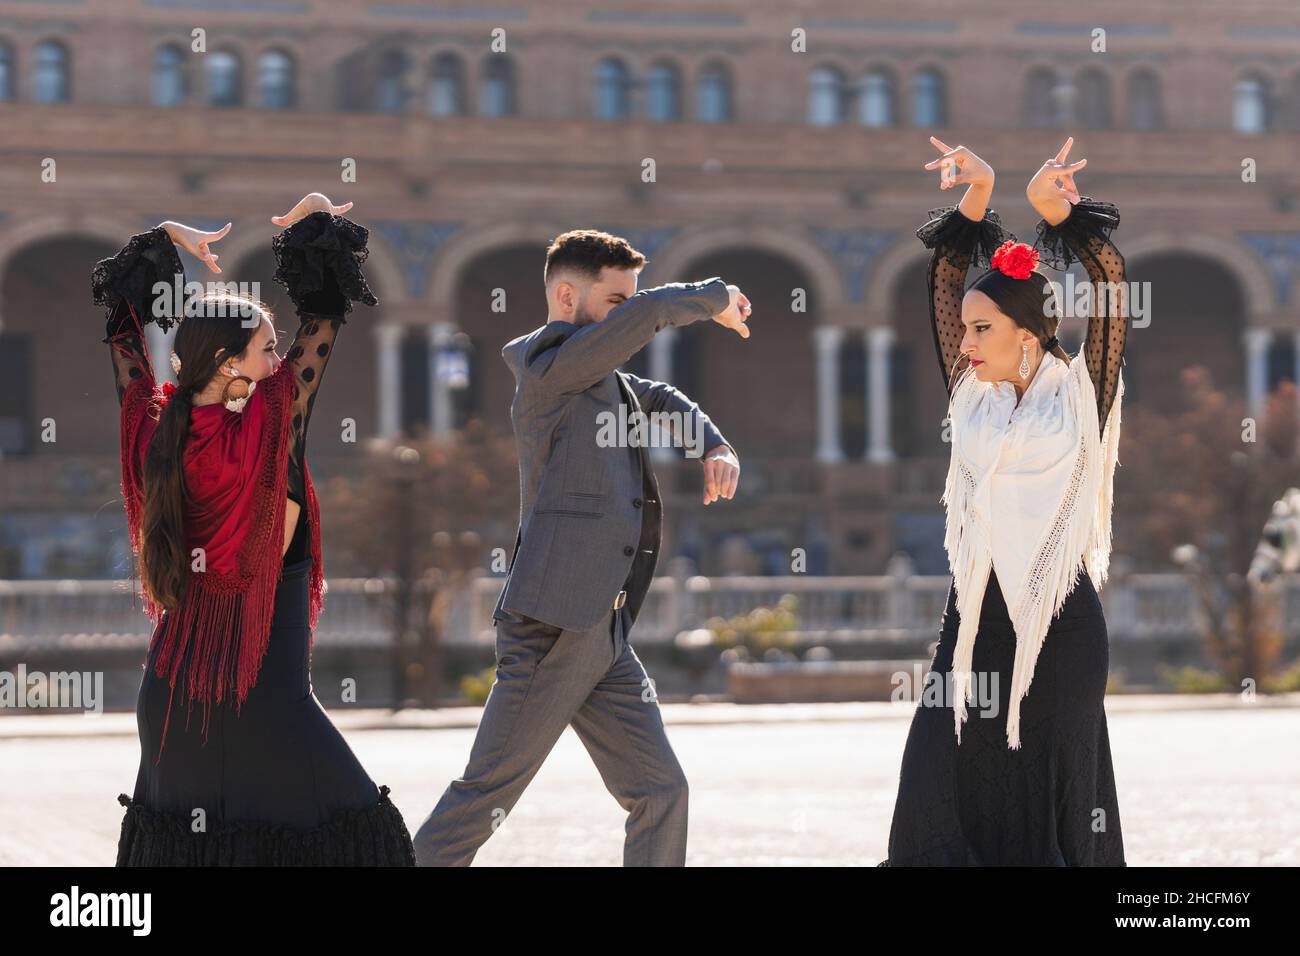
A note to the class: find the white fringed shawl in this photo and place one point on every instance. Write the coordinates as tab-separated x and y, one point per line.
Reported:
1029	494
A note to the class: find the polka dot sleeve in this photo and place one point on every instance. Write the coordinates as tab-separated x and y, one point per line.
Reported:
1084	236
310	352
318	262
123	284
957	243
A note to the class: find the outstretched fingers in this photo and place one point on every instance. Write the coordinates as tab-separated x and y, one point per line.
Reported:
206	255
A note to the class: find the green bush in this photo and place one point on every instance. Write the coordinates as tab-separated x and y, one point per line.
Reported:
475	687
759	629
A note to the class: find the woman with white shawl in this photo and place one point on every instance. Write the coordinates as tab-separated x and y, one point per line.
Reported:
997	773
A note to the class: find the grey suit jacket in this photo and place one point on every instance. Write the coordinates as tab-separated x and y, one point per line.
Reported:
581	506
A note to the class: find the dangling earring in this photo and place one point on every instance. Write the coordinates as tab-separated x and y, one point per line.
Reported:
238	401
1024	361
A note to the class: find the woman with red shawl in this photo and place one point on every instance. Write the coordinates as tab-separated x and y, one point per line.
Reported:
225	527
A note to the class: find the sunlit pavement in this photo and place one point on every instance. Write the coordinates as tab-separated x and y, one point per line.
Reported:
1202	781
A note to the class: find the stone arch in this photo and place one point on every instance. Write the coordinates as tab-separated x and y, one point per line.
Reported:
1230	252
468	245
698	243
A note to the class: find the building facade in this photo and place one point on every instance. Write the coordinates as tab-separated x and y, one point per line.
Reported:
781	149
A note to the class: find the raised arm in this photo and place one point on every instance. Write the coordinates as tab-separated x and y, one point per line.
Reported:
1077	228
1084	236
123	284
594	351
957	243
318	261
959	236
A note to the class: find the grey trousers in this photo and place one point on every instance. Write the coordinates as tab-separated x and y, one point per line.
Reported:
548	678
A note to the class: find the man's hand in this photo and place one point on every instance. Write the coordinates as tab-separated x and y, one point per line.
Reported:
721	474
735	314
308	204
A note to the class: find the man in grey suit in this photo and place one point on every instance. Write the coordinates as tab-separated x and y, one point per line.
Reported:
585	553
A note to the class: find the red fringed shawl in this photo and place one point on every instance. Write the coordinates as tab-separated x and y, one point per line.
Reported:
236	475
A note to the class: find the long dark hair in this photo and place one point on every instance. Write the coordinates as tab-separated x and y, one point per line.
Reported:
203	341
1025	301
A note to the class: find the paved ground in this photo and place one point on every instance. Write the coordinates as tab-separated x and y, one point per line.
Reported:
1202	781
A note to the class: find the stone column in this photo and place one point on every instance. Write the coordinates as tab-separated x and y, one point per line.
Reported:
1257	342
159	346
389	359
880	341
661	370
827	339
441	413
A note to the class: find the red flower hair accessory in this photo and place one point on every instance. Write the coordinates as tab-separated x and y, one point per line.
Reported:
1015	259
170	391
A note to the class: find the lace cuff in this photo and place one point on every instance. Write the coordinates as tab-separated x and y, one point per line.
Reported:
1070	240
956	237
147	258
319	244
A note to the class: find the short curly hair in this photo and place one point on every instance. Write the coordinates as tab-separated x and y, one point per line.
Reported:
585	252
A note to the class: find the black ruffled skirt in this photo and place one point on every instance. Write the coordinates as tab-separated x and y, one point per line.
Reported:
275	785
1050	803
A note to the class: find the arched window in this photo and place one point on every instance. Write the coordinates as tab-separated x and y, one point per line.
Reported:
1252	106
225	83
613	89
390	82
876	102
664	93
50	72
713	94
1093	100
1144	107
496	94
828	96
6	72
276	86
447	86
929	99
1042	98
169	82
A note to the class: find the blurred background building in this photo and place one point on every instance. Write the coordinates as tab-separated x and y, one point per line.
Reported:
479	133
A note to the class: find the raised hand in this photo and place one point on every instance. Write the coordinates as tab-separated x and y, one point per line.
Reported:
195	241
308	204
1052	190
736	313
959	165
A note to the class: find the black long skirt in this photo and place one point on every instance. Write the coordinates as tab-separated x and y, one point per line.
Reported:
1050	803
274	785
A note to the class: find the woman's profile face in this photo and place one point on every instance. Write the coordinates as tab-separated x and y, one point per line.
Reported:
259	359
992	339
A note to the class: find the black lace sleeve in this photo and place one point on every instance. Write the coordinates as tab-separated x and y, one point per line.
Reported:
957	243
123	284
318	261
1084	236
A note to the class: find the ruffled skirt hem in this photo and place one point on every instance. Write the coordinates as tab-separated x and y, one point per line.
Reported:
374	836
